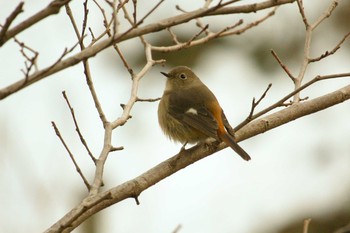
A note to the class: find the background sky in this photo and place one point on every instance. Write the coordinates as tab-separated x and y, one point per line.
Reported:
299	170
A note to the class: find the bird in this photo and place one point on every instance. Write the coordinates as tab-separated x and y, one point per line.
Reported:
189	112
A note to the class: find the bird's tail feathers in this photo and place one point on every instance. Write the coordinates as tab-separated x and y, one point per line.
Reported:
231	143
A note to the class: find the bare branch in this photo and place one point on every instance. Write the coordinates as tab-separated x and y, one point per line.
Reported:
116	148
148	100
86	13
281	102
127	66
173	36
74	24
326	14
134	13
135	85
197	34
9	20
86	65
284	67
227	31
328	53
132	33
302	13
30	60
53	8
306	225
71	155
256	103
78	129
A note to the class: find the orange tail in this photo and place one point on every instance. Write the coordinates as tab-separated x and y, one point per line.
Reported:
231	143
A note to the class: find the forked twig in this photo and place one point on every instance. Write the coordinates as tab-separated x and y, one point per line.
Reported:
307	43
256	103
9	20
86	65
282	101
227	31
30	60
252	109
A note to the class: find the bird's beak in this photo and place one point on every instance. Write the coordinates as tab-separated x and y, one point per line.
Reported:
165	74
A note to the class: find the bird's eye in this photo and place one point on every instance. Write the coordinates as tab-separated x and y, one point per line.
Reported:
183	76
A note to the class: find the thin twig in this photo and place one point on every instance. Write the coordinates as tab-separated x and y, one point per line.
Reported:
173	36
134	13
113	148
85	20
256	103
196	35
71	155
251	25
86	65
284	67
74	24
106	24
147	100
127	66
135	85
325	14
131	33
328	53
78	129
222	33
65	52
31	59
302	13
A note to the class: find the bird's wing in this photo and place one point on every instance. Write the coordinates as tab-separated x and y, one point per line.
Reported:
195	115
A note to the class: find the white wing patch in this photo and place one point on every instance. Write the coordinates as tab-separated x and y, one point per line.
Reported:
192	111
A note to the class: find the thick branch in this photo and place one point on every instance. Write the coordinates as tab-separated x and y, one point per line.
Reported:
134	187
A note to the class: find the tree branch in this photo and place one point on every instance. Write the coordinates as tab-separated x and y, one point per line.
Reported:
281	102
77	168
77	128
53	8
9	20
136	186
132	33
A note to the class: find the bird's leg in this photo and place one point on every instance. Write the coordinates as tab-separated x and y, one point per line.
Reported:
183	148
211	143
179	155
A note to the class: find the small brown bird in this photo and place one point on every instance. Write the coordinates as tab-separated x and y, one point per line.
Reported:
189	112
